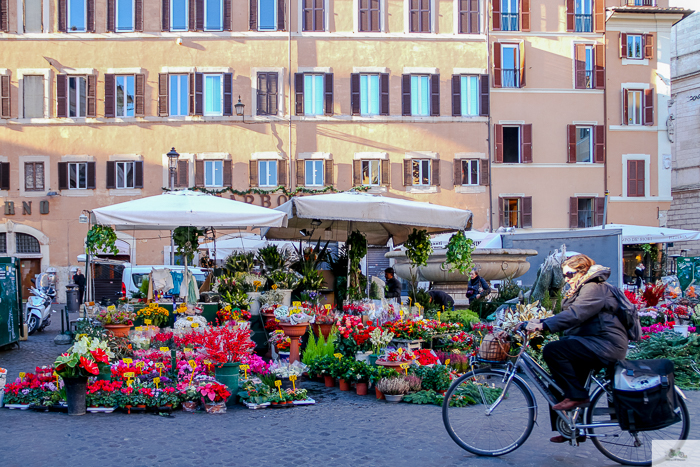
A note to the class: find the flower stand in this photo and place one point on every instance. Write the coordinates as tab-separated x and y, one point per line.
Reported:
294	332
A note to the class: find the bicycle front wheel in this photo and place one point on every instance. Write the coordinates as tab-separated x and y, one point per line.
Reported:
484	417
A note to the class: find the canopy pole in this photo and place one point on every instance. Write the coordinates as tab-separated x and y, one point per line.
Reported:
172	247
347	248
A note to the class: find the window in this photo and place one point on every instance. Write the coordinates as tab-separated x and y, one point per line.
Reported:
77	96
421	172
589	66
267	94
26	243
588	82
179	15
33	19
634	46
267	173
584	16
468	16
370	11
584	144
419	15
511	212
33	96
34	176
213	95
77	15
420	95
511	144
313	95
371	172
125	96
213	15
4	176
125	173
634	107
3	243
511	66
214	173
641	2
509	15
77	176
585	213
470	172
636	178
469	95
267	15
179	95
313	172
125	15
314	15
369	94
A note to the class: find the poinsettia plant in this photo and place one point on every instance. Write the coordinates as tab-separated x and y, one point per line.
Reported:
85	358
215	392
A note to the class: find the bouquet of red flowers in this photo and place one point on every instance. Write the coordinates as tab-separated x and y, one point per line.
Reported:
87	356
215	392
226	345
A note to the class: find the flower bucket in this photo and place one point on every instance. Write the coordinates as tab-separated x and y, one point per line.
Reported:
286	296
254	302
372	359
215	407
228	374
363	356
393	398
76	391
119	330
682	329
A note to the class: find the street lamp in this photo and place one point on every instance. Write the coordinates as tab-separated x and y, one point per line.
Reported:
172	167
239	108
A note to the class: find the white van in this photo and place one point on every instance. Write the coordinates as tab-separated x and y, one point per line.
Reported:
132	276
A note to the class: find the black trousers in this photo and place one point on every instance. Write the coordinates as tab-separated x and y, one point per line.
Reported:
570	361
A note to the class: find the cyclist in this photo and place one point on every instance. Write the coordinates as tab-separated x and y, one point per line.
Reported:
593	337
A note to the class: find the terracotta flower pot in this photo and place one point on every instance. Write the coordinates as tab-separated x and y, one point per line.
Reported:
380	394
361	388
120	330
393	365
344	385
329	380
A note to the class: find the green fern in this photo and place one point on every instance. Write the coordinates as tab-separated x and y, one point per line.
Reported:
311	351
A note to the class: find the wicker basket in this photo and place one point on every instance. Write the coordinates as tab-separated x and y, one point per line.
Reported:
493	349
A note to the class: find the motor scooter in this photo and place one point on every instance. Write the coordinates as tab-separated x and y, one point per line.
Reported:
38	311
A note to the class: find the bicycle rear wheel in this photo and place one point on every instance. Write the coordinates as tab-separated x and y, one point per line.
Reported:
504	429
620	445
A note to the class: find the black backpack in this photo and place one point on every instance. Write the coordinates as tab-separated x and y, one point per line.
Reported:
628	314
644	395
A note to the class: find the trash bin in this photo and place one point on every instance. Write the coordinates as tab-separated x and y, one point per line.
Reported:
72	303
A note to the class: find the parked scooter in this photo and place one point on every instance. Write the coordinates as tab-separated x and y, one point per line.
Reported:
39	305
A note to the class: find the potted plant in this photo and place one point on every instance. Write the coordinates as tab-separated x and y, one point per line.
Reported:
379	339
117	321
377	375
190	398
393	388
226	347
214	396
338	370
157	314
103	395
361	375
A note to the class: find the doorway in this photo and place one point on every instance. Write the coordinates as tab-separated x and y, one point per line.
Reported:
29	269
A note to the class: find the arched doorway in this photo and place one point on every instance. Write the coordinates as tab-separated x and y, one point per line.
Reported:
28	244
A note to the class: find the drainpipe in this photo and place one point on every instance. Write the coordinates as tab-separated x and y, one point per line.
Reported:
488	119
605	127
289	88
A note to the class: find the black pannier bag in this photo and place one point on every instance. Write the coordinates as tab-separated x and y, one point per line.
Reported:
644	395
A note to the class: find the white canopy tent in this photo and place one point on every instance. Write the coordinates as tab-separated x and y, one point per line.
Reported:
481	239
227	244
636	234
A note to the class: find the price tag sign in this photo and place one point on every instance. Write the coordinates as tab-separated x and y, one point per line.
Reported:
129	374
192	364
138	328
195	325
293	379
404	366
147	322
245	369
296	304
139	364
189	318
438	313
187	349
128	361
400	350
338	356
328	306
165	349
160	367
22	374
278	384
56	375
156	381
447	362
279	331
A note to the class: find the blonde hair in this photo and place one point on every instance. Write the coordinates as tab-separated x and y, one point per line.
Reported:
580	263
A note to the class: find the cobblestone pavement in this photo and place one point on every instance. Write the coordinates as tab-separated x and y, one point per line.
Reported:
343	429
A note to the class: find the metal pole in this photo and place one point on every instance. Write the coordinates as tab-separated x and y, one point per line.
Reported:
605	208
172	232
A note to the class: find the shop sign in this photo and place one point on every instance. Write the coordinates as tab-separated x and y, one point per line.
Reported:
266	201
26	208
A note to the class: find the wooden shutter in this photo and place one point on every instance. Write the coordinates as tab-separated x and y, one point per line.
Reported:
498	138
182	178
91	175
198	94
497	74
163	95
501	212
90	26
407	172
484	172
635	178
272	91
253	173
474	16
526	211
525	15
435	172
571	143
227	15
623	45
385	172
138	15
111	12
62	15
228	94
198	173
191	80
328	172
192	14
62	176
109	96
4	175
625	116
165	15
570	16
384	94
435	95
355	96
300	172
261	95
91	95
484	98
599	217
328	94
600	66
599	15
139	95
599	141
405	95
308	15
580	66
456	95
199	14
522	64
61	96
526	143
356	172
573	212
138	174
648	107
458	167
253	15
299	93
4	16
648	46
227	176
282	173
280	15
496	15
5	101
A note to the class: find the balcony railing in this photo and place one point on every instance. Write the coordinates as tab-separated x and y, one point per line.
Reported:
589	79
511	78
510	21
584	23
641	2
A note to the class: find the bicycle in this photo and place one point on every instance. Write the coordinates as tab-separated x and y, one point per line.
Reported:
506	410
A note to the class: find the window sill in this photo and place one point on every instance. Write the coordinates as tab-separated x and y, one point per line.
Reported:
470	189
632	128
635	61
376	189
33	194
125	191
77	193
421	189
635	199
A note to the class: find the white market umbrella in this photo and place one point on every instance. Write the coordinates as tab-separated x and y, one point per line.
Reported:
636	234
481	239
228	244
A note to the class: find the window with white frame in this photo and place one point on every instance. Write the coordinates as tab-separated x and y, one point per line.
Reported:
77	15
420	95
213	95
77	96
470	172
124	95
509	15
313	170
124	15
635	46
213	15
33	16
586	208
77	175
179	15
469	95
511	66
634	107
267	173
584	144
179	95
313	94
583	16
267	15
369	94
371	172
125	174
214	173
590	67
33	96
421	172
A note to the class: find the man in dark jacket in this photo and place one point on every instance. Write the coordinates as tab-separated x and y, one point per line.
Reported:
441	299
393	286
478	287
79	280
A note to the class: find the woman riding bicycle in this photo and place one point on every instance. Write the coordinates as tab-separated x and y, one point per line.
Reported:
593	338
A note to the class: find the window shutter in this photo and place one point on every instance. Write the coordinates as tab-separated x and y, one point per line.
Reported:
328	87
580	66
138	15
182	178
425	14
253	173
599	141
109	96
328	172
300	172
62	15
165	15
599	6
272	93
526	143
526	211
573	212
640	179
498	138
384	94
571	143
63	175
280	15
253	16
525	15
308	15
163	95
227	178
5	101
198	173
261	95
473	16
199	15
599	217
631	178
198	94
111	175
91	95
4	175
484	95
138	174
192	14
501	212
355	93
61	96
648	46
435	172
456	96
625	116
496	14
435	95
407	172
522	64
356	172
4	16
484	172
648	107
192	94
299	93
139	95
570	16
600	66
623	45
385	181
111	11
457	172
282	173
91	183
497	75
405	95
227	15
90	26
228	94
